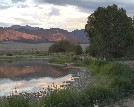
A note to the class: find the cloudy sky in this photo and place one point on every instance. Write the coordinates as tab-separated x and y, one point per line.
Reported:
66	14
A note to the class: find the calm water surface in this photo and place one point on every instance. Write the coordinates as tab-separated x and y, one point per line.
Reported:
30	76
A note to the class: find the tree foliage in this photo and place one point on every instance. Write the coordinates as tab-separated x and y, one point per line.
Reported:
111	32
61	46
78	49
65	46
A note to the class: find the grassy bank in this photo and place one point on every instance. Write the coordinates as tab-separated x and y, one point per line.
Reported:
22	55
111	82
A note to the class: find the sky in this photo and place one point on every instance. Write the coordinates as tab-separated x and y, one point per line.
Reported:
64	14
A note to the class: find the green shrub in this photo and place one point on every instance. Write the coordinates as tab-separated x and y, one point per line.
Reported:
122	84
15	101
100	94
78	49
115	69
95	66
63	98
61	46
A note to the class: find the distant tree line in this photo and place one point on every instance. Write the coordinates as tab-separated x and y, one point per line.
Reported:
111	33
65	46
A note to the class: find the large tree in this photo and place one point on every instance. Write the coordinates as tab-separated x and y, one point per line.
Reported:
111	32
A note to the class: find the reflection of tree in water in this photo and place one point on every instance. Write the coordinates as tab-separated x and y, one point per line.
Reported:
26	70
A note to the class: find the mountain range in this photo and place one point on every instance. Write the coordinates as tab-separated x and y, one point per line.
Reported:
36	35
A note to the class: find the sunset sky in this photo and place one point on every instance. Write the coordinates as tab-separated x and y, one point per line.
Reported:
65	14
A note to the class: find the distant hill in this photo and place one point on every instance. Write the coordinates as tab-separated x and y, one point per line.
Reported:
8	34
35	34
81	34
25	27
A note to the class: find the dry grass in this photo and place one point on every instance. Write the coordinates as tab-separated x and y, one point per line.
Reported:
18	46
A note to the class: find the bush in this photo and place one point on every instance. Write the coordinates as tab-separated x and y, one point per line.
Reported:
65	46
61	46
119	77
122	84
78	49
64	98
100	94
9	54
15	101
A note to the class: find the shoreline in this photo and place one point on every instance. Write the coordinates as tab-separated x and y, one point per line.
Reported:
77	81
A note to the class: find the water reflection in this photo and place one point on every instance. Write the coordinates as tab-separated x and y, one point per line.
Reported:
30	76
14	71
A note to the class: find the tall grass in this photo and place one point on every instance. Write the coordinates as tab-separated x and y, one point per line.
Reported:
64	59
115	80
15	101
